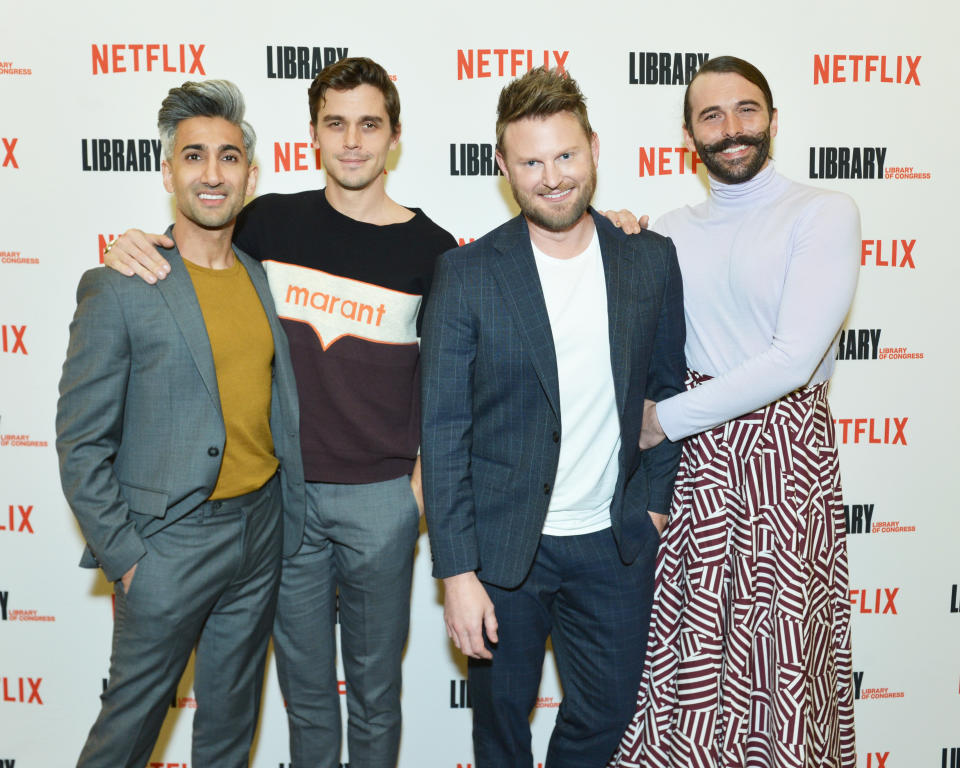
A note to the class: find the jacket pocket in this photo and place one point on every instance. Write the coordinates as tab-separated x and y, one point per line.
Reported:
145	501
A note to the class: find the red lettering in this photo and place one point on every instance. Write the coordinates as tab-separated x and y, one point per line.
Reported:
901	425
838	69
9	159
821	69
561	59
482	62
197	65
907	253
24	519
890	596
116	59
464	64
912	75
99	59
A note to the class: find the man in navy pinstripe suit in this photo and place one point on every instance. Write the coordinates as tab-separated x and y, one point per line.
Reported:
540	343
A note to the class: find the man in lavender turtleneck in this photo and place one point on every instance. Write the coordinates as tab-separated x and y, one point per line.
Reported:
749	651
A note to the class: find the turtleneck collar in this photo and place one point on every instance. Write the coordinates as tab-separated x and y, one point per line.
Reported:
746	193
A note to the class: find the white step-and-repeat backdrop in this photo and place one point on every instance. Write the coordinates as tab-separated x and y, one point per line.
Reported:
867	100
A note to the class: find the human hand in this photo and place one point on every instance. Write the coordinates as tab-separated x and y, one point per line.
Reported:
127	578
627	221
651	434
416	485
659	521
467	612
133	253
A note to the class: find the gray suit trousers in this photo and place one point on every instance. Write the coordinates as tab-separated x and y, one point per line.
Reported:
209	580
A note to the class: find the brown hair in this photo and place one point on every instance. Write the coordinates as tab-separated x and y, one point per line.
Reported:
347	74
729	65
540	93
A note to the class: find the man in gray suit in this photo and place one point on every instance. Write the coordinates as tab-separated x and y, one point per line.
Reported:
540	342
177	430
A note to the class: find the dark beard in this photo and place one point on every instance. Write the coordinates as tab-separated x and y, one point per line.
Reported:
561	222
740	170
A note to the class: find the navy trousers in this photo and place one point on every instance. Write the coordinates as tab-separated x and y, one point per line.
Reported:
596	609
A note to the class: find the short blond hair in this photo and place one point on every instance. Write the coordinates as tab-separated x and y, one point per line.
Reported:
540	93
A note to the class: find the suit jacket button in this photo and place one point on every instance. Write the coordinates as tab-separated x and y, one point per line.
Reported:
213	451
556	437
546	488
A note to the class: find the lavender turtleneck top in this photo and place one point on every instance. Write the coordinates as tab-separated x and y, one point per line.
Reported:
769	270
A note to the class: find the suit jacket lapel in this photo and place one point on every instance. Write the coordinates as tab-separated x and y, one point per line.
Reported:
516	272
621	310
177	290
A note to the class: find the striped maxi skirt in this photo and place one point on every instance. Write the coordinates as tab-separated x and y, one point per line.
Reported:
748	658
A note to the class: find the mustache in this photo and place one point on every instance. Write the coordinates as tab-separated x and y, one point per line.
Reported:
741	139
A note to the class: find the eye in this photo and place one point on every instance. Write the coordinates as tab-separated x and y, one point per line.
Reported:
369	125
231	158
530	163
566	156
192	156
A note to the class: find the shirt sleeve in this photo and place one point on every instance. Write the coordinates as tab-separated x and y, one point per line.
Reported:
818	288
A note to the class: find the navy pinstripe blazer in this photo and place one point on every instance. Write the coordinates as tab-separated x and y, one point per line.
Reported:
491	404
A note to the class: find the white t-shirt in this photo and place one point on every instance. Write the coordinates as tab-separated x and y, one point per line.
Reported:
575	292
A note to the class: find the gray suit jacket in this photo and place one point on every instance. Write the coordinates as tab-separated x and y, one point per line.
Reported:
140	433
491	402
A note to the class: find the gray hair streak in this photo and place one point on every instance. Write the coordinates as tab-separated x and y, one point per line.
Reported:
210	98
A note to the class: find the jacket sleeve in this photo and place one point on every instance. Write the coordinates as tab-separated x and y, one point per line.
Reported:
89	423
665	379
448	353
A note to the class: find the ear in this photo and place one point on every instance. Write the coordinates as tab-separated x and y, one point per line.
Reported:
252	177
167	172
688	141
313	137
395	138
773	124
595	148
502	162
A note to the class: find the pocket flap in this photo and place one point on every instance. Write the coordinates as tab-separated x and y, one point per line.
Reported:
144	500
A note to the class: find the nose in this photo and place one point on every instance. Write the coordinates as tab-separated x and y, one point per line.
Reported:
351	136
212	175
732	125
551	176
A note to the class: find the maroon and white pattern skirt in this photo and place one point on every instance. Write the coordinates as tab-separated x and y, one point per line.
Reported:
748	659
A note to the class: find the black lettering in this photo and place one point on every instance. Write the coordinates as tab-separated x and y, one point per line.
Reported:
473	160
664	68
103	154
270	73
881	153
633	69
651	68
954	601
85	162
843	163
144	154
118	155
4	596
329	56
690	67
303	62
875	342
857	682
453	160
289	61
317	64
868	168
